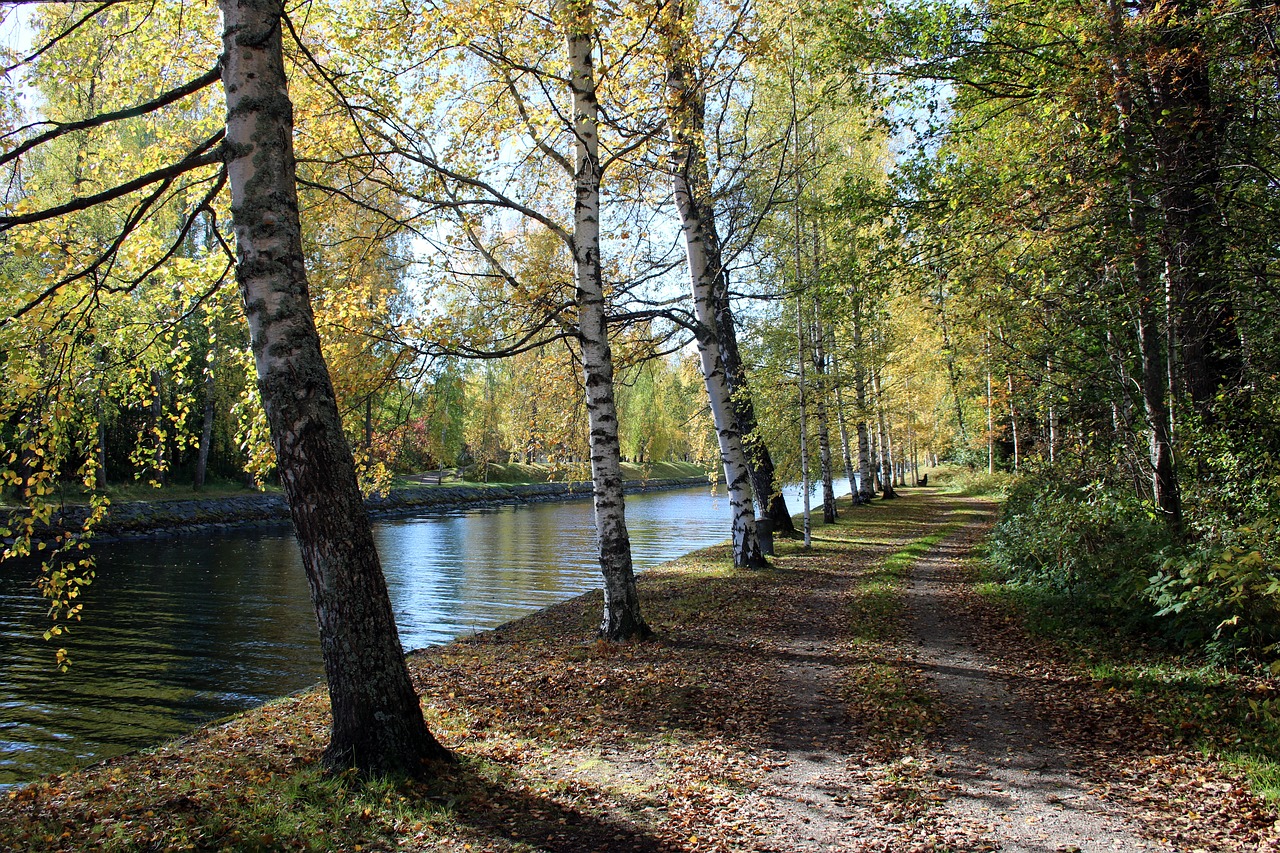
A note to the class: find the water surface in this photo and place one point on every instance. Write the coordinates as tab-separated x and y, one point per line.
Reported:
180	631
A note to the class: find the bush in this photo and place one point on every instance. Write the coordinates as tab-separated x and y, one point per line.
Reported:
1091	540
1107	553
1221	590
1224	592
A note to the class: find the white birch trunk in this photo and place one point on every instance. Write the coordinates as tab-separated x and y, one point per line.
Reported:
691	182
886	453
377	722
991	418
838	380
621	619
804	413
824	429
866	480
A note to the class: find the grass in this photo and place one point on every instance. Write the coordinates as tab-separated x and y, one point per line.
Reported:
877	608
1230	712
563	743
127	492
894	703
964	482
511	473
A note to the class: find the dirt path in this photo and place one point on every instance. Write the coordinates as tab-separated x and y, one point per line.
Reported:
989	777
1007	779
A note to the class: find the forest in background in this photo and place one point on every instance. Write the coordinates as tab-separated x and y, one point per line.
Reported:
1035	238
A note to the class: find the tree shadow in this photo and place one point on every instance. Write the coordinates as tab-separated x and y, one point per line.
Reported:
494	810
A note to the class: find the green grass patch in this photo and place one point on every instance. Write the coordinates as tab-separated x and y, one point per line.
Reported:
132	491
877	606
891	702
1232	713
976	483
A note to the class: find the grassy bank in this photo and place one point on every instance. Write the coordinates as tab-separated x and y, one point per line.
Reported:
563	744
513	473
518	472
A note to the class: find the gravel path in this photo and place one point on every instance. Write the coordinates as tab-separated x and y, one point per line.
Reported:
991	775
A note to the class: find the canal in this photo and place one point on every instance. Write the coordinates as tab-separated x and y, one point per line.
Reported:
180	631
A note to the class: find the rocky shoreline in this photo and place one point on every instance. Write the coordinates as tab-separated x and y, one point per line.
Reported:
149	519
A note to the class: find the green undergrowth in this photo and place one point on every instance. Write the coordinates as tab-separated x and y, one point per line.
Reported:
1233	713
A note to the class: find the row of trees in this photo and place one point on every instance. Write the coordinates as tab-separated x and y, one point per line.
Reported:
454	210
870	235
1089	206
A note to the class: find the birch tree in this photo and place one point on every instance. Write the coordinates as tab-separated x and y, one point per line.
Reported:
622	619
691	185
133	260
377	724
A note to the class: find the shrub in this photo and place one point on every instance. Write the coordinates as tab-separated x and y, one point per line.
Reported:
1091	540
1224	592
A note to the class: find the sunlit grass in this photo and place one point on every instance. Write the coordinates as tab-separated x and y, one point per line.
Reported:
964	482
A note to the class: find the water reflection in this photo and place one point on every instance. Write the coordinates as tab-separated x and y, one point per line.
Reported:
180	631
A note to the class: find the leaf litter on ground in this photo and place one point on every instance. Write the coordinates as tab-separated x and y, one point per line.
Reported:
695	741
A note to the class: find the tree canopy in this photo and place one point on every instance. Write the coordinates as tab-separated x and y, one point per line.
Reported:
778	238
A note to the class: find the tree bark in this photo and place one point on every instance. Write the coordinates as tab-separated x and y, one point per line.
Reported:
1013	410
838	379
1154	370
991	418
1013	424
866	479
763	474
807	512
206	429
886	453
824	428
691	182
622	619
952	371
378	727
1051	422
1188	142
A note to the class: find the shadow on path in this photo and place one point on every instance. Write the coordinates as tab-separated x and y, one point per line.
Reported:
1003	773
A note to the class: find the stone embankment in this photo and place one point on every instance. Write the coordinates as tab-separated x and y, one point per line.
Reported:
144	519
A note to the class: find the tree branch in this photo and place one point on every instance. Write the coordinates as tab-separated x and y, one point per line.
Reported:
62	128
200	156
